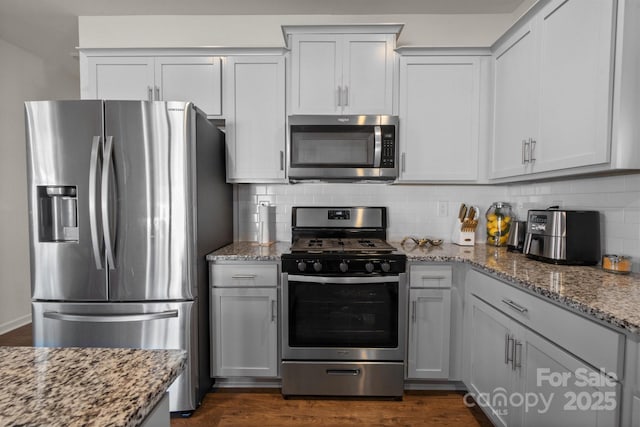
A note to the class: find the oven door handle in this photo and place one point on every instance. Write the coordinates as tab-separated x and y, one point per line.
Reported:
344	280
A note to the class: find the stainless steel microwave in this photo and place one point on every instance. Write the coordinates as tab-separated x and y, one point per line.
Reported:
343	148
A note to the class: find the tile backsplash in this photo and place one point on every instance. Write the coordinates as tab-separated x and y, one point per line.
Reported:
431	210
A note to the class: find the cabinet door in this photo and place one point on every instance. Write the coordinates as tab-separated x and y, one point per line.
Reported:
120	78
567	392
255	116
576	38
515	109
429	333
316	74
367	84
246	333
439	118
191	78
491	373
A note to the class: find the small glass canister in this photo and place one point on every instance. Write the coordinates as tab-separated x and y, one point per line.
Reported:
499	217
619	264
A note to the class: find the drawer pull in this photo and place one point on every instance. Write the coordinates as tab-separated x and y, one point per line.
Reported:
244	276
348	372
514	305
433	277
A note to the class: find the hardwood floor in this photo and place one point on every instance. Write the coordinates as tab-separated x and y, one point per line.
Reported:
267	408
237	408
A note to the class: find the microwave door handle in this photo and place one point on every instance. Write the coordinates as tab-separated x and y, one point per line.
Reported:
377	148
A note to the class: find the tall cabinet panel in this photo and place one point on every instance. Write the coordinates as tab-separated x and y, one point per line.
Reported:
439	118
575	82
515	109
255	119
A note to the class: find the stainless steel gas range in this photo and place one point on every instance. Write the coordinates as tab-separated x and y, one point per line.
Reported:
344	305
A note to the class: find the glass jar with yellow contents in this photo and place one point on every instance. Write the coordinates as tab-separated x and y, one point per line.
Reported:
499	217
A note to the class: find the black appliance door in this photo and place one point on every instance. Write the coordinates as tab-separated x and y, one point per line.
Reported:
344	318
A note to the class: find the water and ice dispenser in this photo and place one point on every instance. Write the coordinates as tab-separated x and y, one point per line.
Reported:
58	213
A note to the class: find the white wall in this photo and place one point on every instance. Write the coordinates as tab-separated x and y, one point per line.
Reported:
413	209
265	30
23	77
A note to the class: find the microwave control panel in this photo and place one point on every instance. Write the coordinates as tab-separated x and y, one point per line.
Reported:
388	155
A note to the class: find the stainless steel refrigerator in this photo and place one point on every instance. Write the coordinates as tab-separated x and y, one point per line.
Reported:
125	200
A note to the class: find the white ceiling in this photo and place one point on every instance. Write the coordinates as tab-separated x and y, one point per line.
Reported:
49	28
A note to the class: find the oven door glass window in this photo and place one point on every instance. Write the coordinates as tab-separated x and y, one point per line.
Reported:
340	315
334	146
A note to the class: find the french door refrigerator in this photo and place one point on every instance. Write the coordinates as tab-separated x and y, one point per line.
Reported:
125	200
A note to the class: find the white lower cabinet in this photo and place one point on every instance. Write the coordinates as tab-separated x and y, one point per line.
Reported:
521	378
244	322
429	322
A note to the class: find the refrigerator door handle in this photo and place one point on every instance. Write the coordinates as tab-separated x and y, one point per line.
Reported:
96	149
110	318
106	219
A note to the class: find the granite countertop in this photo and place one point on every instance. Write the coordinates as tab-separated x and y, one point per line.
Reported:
83	386
612	298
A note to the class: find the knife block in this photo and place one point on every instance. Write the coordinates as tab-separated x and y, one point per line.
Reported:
462	238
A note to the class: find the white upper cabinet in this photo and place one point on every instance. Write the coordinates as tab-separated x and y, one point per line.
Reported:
515	106
439	111
553	90
255	118
347	73
197	79
115	77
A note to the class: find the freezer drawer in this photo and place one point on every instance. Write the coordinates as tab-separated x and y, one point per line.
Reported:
168	325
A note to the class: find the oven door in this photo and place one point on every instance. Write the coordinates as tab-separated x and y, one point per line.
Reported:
344	318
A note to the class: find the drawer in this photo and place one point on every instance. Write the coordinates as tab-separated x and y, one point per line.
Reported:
430	276
243	275
596	344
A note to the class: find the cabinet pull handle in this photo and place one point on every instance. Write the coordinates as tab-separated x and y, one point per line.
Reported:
525	151
273	310
433	277
150	93
517	355
339	96
346	96
403	162
157	93
532	147
515	306
244	276
413	311
508	349
281	160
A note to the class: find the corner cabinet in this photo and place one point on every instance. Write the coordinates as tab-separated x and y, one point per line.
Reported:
244	319
197	79
342	69
255	118
441	113
525	371
429	321
553	90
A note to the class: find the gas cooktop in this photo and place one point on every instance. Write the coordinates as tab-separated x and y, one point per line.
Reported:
350	245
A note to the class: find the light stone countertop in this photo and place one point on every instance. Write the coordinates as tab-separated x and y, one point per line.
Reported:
612	298
42	386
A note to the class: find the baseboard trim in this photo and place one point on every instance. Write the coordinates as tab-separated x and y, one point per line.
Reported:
15	324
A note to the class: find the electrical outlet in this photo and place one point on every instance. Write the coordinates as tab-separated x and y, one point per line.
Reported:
443	208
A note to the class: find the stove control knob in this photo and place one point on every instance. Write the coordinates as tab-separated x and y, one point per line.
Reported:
369	267
385	267
317	266
344	266
302	266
